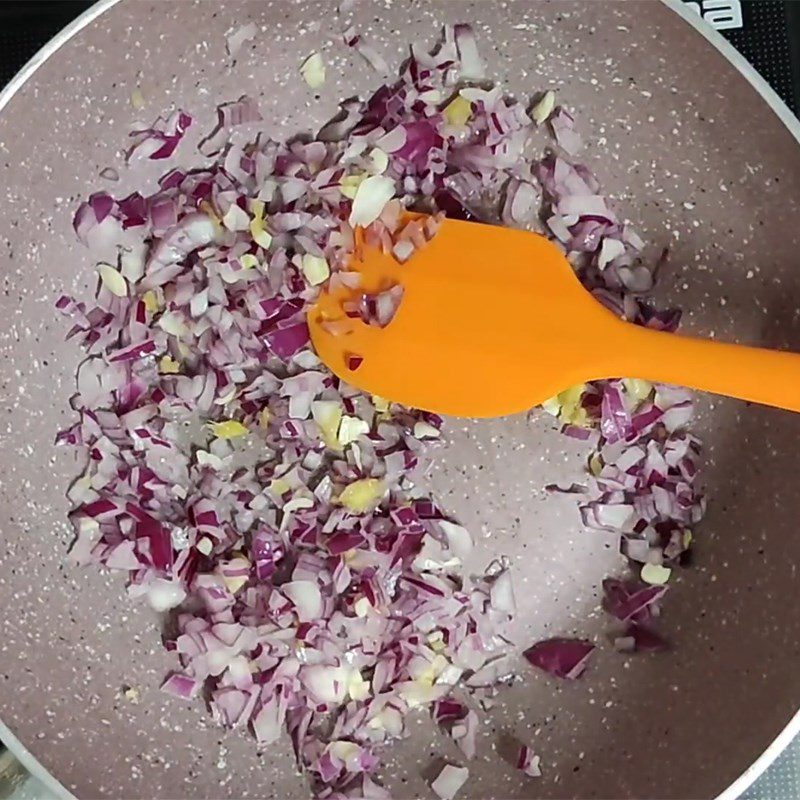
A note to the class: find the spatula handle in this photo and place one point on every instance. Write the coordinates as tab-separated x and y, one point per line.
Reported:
771	377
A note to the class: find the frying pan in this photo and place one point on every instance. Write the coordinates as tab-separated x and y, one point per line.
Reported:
700	162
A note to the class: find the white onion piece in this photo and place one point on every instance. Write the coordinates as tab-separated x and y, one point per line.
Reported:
372	791
164	595
350	429
472	68
316	269
459	541
529	762
268	723
380	160
424	430
132	259
402	251
306	598
524	203
192	232
392	140
372	195
464	733
432	557
112	280
615	516
198	305
326	684
501	594
449	781
559	228
609	250
236	218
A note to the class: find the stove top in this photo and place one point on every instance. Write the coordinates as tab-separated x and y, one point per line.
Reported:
766	33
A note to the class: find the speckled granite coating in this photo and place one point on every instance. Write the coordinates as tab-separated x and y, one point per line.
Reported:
711	173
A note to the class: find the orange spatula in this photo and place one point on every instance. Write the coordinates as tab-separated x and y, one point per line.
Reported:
493	321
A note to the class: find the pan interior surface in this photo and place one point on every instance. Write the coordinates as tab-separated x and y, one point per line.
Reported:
702	167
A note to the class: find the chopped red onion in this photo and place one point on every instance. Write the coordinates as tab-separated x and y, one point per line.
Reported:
159	140
464	733
318	583
241	112
528	762
563	658
628	600
563	125
181	686
448	710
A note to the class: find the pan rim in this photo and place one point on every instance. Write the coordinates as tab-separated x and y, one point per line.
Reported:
716	40
32	764
792	728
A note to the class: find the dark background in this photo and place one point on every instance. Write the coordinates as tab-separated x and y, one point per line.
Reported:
769	36
25	25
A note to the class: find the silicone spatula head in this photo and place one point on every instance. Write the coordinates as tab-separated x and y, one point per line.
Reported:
492	321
